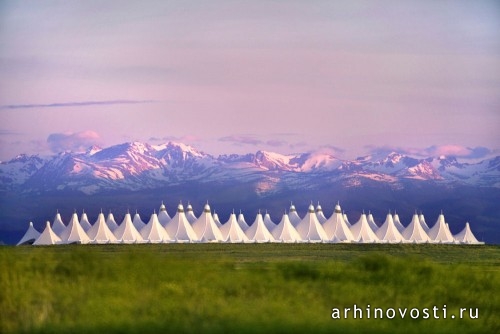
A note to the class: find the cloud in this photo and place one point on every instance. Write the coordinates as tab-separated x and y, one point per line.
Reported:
182	139
458	151
74	104
242	140
4	132
78	141
330	149
276	143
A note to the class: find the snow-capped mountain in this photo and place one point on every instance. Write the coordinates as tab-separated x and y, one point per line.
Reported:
137	175
137	166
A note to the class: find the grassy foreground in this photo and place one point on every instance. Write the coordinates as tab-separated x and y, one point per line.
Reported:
245	288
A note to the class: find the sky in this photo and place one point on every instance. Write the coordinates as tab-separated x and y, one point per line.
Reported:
349	77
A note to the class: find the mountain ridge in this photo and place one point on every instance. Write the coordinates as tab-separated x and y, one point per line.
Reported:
139	175
136	165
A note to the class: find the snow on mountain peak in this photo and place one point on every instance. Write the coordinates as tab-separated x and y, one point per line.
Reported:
93	150
138	165
272	160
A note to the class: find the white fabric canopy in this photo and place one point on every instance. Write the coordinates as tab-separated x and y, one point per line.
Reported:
74	232
362	232
100	233
47	237
232	232
310	229
336	228
258	231
285	232
30	236
153	232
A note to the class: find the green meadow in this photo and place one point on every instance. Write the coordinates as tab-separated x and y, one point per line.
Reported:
253	288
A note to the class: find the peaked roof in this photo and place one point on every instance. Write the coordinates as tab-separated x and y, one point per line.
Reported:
137	221
47	237
346	220
440	232
74	232
111	222
336	227
57	225
190	214
215	216
388	232
153	232
397	222
205	227
258	231
84	222
424	225
179	227
163	215
294	216
268	222
362	232
285	232
100	233
320	215
30	236
371	222
310	229
414	231
126	232
466	236
242	222
232	232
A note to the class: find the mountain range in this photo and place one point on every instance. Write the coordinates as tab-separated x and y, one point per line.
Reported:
135	174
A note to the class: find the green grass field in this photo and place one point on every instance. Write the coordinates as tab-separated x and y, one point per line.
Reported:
245	288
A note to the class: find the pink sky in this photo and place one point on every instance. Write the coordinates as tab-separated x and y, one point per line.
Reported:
226	76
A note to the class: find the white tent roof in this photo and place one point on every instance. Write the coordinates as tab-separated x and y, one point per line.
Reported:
215	216
414	231
440	232
348	223
294	216
388	232
153	232
362	232
242	222
285	232
111	222
320	215
336	227
30	236
424	225
137	221
74	232
163	215
310	229
47	237
268	222
205	227
179	227
84	222
466	237
258	231
371	222
190	214
232	232
126	232
397	222
57	225
100	233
